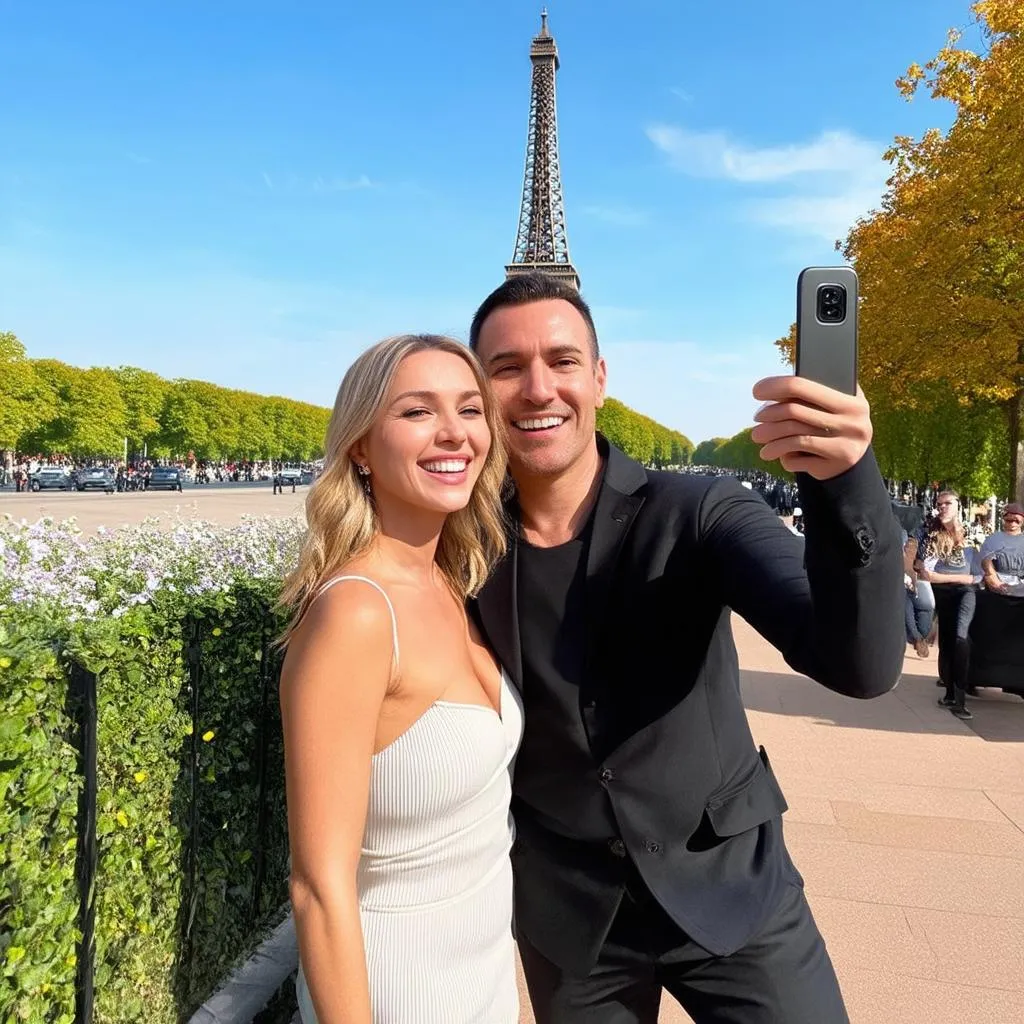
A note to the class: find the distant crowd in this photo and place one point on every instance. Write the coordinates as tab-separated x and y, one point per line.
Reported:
135	474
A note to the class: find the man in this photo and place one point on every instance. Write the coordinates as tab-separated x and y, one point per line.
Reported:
649	849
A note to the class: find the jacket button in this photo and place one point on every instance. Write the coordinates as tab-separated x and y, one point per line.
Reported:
652	847
617	847
607	775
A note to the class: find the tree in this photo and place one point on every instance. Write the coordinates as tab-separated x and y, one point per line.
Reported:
23	398
941	263
703	454
143	394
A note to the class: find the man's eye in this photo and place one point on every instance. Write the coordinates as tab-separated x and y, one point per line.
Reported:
566	362
503	370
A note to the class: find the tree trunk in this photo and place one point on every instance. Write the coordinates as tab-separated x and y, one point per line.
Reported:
1015	412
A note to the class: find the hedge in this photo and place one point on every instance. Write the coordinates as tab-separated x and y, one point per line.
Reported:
192	853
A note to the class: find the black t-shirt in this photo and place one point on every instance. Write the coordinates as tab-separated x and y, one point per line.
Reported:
555	774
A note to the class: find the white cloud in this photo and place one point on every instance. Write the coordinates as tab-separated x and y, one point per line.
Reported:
829	217
832	179
681	94
321	184
621	216
715	155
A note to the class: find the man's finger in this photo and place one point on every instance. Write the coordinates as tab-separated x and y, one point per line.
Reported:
774	430
810	392
792	444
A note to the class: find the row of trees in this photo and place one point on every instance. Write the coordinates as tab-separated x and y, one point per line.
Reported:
641	437
47	406
941	268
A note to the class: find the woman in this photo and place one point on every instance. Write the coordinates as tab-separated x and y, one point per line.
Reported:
400	728
944	560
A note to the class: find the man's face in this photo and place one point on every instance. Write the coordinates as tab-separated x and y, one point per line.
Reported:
540	360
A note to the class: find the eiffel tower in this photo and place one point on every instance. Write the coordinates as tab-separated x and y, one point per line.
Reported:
541	241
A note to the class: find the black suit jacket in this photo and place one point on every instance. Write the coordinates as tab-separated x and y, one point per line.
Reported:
697	805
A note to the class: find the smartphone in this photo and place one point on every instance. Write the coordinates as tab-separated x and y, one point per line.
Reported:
826	327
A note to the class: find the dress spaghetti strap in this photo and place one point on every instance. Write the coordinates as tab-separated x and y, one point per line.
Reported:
391	608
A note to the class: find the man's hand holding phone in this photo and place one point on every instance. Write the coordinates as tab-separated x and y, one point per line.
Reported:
811	428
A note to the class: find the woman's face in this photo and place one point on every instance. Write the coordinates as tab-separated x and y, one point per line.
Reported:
428	444
1013	523
948	507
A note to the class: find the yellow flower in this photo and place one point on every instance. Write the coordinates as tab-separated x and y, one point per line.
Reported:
141	777
217	631
122	819
5	662
207	736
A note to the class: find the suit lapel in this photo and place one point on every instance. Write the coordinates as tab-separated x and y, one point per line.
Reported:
498	607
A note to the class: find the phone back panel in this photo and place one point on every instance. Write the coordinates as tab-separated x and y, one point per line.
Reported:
826	352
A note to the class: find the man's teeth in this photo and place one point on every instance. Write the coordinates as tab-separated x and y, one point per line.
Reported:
542	424
448	466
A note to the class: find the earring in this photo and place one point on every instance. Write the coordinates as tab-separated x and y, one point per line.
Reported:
364	473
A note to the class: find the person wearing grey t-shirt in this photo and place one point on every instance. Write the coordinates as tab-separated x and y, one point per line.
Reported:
1002	555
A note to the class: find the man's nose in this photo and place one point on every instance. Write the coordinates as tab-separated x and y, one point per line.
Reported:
538	385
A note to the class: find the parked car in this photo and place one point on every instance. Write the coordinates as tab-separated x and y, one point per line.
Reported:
95	478
49	478
290	473
164	478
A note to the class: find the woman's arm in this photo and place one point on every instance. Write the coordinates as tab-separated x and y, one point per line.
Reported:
333	684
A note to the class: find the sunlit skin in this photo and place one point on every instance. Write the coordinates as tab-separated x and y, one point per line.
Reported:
540	360
432	420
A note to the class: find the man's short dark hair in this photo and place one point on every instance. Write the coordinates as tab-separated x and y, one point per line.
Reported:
523	289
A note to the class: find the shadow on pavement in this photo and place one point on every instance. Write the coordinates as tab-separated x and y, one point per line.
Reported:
910	708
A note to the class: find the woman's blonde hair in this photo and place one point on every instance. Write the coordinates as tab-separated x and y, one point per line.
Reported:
340	514
944	542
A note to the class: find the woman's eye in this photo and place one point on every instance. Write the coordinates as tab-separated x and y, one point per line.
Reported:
414	413
472	410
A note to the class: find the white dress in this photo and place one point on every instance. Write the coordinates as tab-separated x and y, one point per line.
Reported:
434	877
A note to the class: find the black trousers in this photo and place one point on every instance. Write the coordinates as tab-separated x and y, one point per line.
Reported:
783	976
954	606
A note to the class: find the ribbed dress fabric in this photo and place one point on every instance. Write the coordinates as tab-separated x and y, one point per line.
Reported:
434	878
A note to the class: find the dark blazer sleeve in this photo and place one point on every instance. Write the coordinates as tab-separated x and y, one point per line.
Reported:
832	603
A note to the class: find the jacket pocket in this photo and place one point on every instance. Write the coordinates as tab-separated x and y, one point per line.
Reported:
757	798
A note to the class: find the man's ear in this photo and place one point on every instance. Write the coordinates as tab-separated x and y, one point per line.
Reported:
601	376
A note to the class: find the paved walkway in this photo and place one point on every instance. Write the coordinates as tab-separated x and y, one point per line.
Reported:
225	504
907	824
908	827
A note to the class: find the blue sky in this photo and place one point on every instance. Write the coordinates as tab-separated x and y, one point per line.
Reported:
251	193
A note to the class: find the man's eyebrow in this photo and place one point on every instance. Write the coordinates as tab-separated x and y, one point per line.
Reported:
428	396
556	350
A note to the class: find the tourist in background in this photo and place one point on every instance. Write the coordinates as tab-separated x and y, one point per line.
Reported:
944	559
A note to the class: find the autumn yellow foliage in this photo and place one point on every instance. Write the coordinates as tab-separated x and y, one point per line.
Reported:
941	262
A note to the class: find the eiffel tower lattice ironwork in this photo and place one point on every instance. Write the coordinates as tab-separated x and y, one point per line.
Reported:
541	241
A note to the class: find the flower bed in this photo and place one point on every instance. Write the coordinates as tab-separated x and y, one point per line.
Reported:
190	819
